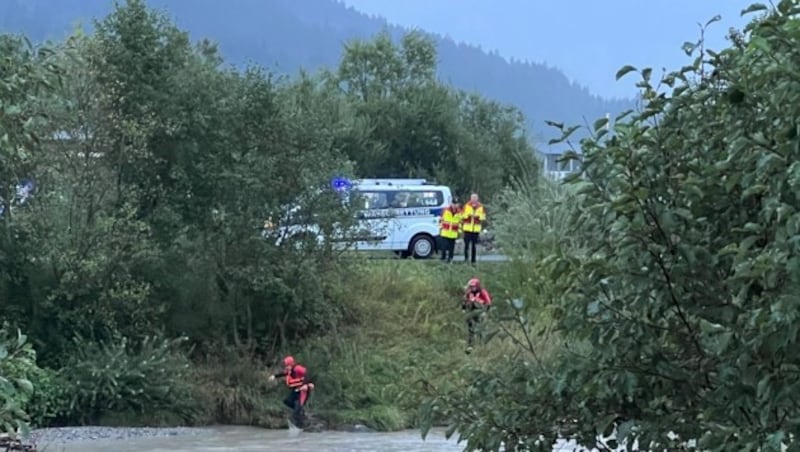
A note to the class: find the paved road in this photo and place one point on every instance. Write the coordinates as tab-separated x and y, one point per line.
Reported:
492	258
459	259
483	255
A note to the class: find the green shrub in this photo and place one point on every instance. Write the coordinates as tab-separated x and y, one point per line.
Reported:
49	403
48	399
234	388
118	377
17	362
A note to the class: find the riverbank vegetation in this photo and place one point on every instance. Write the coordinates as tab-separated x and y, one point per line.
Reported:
671	279
137	283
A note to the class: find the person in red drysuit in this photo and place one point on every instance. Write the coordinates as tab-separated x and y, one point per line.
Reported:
300	386
477	301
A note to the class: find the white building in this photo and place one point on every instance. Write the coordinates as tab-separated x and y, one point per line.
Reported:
551	160
553	166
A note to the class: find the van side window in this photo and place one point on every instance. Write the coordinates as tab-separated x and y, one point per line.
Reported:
372	200
430	199
401	199
426	199
390	199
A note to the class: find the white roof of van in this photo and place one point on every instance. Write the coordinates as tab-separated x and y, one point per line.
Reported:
396	183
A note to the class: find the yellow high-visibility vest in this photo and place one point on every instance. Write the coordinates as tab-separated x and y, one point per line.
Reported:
449	224
472	217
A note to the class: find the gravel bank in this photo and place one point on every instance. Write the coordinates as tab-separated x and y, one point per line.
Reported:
69	434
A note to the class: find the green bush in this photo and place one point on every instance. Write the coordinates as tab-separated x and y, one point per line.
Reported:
49	403
235	390
48	399
136	379
17	363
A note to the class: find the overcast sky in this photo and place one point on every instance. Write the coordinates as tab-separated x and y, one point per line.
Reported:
587	39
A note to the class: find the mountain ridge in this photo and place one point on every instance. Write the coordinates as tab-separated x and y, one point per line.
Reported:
287	35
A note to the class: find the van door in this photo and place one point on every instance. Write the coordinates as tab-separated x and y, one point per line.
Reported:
374	215
420	215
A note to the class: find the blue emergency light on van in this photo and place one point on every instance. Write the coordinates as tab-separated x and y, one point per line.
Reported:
341	184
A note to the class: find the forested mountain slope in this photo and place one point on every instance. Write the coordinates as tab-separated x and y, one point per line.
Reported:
286	35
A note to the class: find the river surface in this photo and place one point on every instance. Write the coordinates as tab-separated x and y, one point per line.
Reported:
256	439
251	439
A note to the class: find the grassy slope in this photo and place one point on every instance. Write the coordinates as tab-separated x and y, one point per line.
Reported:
409	337
406	336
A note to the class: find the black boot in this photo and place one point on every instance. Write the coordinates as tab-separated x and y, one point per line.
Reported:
299	416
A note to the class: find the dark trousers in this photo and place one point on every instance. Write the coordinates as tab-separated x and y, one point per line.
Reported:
297	406
473	323
447	245
470	240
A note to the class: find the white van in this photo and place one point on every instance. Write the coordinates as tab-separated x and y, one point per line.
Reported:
400	215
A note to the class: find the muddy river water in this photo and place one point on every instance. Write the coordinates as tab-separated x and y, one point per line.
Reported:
255	439
250	439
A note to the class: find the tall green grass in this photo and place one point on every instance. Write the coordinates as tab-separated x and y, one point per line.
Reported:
408	338
404	339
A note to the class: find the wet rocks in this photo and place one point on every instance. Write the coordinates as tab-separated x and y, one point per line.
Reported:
69	434
354	428
51	437
360	428
14	445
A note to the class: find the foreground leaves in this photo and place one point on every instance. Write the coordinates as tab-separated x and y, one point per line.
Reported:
679	309
17	359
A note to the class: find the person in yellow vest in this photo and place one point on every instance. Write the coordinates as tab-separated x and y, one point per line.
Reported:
472	217
449	225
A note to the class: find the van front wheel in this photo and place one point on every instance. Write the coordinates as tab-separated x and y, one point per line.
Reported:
422	246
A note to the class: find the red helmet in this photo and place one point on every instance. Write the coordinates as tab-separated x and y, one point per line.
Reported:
474	282
288	361
299	371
